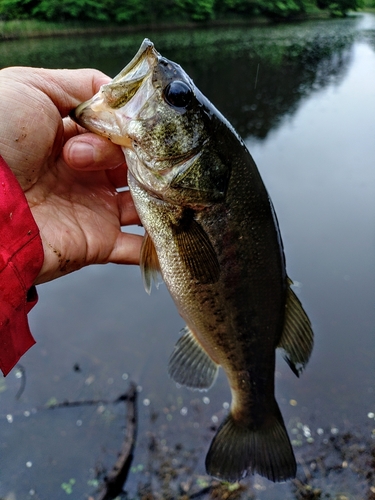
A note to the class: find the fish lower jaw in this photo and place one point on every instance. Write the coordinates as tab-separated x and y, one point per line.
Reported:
124	141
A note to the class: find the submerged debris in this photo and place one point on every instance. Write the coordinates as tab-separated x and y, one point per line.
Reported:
332	465
115	480
341	466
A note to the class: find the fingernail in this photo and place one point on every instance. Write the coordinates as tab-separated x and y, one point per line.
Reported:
82	154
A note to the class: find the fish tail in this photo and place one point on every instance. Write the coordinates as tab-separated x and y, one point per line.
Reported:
237	450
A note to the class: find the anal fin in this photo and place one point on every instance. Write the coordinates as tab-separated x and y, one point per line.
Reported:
297	339
190	365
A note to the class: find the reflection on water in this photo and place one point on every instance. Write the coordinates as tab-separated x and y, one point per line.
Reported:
302	96
254	76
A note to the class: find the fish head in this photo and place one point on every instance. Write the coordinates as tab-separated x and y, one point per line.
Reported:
155	112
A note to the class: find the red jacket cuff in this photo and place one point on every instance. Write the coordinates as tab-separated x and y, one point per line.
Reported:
21	258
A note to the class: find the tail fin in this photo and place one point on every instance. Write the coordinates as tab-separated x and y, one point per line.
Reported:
236	451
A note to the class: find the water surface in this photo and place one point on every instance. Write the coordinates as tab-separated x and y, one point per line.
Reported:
303	98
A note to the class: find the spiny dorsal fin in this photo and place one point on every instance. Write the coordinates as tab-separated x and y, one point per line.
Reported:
196	249
297	338
190	365
149	263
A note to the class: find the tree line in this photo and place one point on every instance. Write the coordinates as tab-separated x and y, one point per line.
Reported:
154	11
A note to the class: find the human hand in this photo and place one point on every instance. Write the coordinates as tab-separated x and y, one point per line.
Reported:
70	178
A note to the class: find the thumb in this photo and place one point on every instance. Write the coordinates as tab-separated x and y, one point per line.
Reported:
92	152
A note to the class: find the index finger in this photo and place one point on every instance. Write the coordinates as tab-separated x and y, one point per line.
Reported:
68	87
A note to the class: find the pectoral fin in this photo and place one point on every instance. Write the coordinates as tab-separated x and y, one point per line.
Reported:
149	263
297	338
190	365
196	249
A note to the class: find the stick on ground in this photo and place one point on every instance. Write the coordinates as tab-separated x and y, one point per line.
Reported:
115	480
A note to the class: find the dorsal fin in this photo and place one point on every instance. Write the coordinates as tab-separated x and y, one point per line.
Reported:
149	263
297	338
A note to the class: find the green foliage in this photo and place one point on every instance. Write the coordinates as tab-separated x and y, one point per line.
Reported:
17	9
129	11
282	8
339	8
144	11
201	10
71	9
236	6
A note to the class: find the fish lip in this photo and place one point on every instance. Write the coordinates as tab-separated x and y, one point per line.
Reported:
130	79
107	100
146	46
126	75
72	113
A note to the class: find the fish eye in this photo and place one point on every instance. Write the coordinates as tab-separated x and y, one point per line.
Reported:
178	94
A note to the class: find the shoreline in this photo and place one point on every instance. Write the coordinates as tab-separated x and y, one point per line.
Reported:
23	29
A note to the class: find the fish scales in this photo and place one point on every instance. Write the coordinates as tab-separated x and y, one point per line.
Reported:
212	232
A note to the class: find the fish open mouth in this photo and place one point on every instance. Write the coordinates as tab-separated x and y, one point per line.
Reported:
108	111
128	81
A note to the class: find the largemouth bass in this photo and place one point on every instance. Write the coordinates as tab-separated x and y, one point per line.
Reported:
212	233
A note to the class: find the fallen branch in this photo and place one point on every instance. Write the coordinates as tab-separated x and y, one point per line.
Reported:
115	480
73	404
85	402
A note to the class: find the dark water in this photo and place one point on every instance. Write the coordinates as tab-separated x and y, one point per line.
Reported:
303	98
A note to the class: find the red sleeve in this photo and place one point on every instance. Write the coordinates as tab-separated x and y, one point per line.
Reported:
21	258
